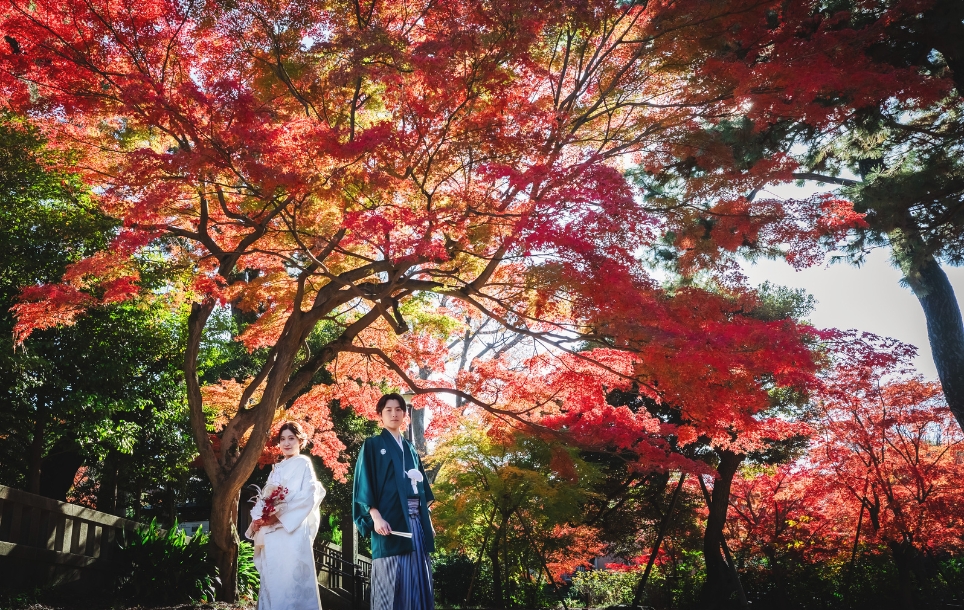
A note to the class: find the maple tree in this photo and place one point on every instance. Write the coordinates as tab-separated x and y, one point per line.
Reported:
893	451
323	164
785	514
705	382
864	98
881	476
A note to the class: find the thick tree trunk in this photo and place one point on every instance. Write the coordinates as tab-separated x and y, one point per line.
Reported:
904	555
719	586
225	540
418	419
945	328
418	431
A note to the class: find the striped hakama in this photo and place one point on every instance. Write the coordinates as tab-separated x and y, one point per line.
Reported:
404	582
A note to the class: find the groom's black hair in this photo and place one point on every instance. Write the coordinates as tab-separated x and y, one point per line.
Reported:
383	402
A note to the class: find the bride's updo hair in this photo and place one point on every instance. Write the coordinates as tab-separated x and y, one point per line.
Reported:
295	429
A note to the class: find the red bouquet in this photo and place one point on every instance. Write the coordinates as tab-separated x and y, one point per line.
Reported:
269	501
273	501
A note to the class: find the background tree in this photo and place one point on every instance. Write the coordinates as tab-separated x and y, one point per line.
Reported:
318	162
514	502
864	99
891	449
104	395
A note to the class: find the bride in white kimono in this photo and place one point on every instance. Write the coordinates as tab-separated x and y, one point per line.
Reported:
283	539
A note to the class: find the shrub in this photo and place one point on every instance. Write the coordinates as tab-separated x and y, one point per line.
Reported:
249	581
605	587
155	566
452	575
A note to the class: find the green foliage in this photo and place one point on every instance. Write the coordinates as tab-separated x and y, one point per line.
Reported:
249	581
46	222
598	588
106	393
154	566
782	303
870	583
502	500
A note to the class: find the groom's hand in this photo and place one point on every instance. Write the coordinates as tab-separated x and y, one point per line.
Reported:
382	526
379	525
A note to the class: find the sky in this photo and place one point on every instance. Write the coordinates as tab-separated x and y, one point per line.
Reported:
869	298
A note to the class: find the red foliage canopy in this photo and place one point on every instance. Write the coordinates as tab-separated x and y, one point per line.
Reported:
313	163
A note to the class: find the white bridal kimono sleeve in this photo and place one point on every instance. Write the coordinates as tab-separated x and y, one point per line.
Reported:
283	552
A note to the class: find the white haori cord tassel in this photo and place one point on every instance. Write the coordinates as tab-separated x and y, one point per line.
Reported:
415	476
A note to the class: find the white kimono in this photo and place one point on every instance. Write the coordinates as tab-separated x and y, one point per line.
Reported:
283	552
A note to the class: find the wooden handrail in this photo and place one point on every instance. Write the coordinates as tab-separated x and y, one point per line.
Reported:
54	532
71	510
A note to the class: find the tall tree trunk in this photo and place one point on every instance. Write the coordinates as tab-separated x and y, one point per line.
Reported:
418	419
719	585
497	584
945	327
36	455
222	470
107	492
663	525
904	555
224	538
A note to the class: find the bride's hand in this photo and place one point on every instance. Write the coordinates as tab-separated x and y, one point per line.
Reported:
264	522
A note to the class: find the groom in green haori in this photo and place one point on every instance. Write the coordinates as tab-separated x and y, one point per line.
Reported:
391	498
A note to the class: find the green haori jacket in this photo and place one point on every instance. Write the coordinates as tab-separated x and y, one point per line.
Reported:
380	482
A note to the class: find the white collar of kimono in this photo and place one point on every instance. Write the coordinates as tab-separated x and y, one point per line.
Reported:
401	446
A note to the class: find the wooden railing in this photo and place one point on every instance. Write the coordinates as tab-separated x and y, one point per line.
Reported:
54	541
49	542
351	580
